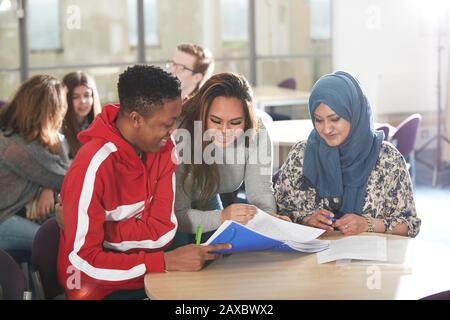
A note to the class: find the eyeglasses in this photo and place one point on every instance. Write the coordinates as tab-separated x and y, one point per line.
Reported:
177	66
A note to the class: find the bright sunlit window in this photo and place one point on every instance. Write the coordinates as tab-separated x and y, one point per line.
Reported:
234	21
43	25
151	23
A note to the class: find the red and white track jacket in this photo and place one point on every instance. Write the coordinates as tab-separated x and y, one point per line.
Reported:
118	213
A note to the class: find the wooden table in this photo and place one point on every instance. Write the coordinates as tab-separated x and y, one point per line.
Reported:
418	268
266	96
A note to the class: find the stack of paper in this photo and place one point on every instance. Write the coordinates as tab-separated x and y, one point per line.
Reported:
356	247
265	232
396	255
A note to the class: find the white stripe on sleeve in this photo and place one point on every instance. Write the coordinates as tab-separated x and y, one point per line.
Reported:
149	244
83	225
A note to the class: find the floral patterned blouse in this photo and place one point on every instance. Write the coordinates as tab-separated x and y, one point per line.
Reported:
389	194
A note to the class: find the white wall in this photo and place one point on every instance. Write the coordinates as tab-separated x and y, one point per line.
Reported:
391	46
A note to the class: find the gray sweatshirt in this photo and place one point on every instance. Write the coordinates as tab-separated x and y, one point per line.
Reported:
255	171
24	169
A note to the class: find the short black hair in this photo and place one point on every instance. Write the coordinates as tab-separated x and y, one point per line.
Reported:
143	88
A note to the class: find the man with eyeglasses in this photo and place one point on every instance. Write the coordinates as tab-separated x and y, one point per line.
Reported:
192	65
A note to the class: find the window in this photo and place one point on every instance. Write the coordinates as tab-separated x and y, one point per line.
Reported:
234	28
92	32
9	37
151	23
320	20
293	27
10	81
43	25
234	20
292	38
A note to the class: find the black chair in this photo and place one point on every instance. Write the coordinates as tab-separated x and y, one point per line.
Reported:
288	83
12	280
44	261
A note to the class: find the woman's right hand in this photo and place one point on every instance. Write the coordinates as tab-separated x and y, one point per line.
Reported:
239	212
46	204
320	219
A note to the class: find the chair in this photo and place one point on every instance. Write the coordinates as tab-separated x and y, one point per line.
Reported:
385	128
445	295
44	261
275	177
12	280
289	83
404	140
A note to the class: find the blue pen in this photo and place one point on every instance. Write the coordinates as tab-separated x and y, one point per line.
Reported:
331	218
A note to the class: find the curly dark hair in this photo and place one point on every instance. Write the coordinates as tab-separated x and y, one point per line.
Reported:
143	88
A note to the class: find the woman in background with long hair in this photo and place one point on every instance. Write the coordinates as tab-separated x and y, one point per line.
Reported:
33	161
83	106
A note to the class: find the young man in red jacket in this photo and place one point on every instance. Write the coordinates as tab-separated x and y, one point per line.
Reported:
118	196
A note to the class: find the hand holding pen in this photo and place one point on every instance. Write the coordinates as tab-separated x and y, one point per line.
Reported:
322	219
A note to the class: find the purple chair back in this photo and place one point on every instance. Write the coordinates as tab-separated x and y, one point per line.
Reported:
275	177
385	129
44	257
445	295
406	134
12	280
289	83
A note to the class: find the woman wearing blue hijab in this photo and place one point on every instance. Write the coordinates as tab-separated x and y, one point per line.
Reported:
345	176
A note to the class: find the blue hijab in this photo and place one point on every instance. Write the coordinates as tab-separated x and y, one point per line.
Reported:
342	172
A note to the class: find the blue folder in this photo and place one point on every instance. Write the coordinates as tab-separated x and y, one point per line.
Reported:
243	239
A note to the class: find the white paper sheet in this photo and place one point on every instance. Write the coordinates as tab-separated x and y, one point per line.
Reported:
396	255
282	230
355	247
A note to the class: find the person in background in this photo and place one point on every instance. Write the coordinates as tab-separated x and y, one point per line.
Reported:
345	176
223	106
33	162
83	106
118	196
192	65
